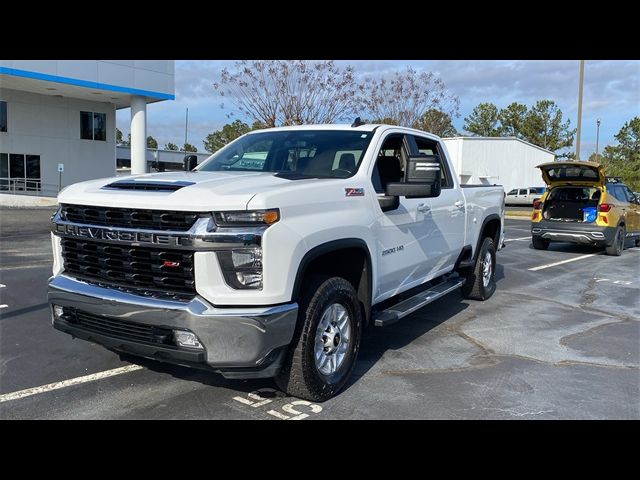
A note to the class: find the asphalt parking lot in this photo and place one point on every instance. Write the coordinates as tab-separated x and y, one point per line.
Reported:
560	339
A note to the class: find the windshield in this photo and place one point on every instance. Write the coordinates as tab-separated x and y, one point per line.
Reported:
294	153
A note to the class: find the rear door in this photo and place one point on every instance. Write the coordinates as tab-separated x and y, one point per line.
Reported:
633	210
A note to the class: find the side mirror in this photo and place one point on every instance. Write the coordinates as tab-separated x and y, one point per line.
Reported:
388	203
423	178
190	162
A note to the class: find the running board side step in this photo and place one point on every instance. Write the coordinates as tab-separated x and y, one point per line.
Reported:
393	314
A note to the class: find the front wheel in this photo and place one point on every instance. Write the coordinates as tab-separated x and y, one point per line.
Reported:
480	280
326	341
617	246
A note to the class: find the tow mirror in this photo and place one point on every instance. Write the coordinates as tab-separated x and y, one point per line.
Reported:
422	178
190	162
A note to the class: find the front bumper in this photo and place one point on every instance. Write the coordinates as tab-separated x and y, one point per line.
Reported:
575	232
238	342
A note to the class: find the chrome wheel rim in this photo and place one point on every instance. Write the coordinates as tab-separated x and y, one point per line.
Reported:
332	339
487	269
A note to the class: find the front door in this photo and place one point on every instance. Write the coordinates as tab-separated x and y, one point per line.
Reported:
404	257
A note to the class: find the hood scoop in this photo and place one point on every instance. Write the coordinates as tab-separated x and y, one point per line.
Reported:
148	185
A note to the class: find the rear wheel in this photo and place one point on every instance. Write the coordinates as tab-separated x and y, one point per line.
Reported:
637	242
326	341
617	246
480	280
540	243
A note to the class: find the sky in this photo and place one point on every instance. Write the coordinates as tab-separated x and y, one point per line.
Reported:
611	93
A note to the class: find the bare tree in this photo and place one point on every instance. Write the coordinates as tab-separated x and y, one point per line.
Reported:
289	92
405	97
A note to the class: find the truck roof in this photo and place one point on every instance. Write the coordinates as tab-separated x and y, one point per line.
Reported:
369	127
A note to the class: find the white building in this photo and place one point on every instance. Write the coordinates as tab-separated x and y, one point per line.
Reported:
507	161
62	112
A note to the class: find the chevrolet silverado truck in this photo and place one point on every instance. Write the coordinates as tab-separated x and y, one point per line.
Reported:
270	257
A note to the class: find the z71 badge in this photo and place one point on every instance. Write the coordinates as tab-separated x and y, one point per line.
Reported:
354	192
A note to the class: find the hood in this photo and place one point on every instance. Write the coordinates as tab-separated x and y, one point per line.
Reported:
572	173
187	191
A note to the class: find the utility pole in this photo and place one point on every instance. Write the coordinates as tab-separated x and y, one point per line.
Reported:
579	109
597	137
186	126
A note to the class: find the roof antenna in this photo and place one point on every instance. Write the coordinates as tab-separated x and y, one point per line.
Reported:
357	122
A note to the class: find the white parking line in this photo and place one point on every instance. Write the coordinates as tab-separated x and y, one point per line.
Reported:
68	383
548	265
517	239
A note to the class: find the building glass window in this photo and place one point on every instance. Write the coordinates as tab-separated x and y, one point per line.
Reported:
100	126
32	167
4	171
86	125
20	172
16	165
3	116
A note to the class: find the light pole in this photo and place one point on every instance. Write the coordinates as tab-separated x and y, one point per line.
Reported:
597	136
579	110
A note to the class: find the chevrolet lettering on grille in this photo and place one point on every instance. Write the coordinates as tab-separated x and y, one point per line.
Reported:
98	233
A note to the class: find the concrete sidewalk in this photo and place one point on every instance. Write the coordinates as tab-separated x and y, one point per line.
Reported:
26	201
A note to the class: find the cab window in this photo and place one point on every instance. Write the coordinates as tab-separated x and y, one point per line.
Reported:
523	191
513	192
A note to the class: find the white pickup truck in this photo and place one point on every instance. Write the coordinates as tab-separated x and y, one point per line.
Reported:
269	258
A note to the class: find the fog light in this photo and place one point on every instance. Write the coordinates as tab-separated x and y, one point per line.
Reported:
186	339
58	311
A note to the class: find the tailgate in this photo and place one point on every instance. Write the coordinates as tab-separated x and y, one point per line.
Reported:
572	173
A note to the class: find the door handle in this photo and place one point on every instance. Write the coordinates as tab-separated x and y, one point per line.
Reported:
424	208
459	204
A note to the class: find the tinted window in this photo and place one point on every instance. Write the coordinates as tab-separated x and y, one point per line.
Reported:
617	192
86	125
33	166
430	147
297	153
630	196
3	116
16	165
4	170
100	126
523	191
513	192
572	172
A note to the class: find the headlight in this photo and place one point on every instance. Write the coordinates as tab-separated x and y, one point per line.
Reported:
247	218
242	268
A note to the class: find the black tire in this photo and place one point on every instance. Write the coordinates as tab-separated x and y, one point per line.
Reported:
617	246
299	376
637	242
474	288
540	243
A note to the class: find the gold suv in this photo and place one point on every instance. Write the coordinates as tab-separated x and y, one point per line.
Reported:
581	205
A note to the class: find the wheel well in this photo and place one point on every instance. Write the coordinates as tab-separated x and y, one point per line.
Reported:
491	229
352	263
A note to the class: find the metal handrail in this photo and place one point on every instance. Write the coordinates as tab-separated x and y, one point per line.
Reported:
26	186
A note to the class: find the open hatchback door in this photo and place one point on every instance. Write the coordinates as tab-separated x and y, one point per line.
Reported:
572	173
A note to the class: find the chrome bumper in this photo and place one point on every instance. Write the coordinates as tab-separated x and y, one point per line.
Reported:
243	342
